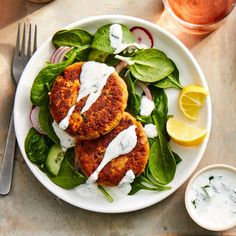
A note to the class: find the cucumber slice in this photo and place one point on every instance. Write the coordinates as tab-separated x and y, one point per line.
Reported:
54	159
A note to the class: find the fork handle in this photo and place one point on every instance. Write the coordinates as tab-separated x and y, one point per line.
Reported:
8	160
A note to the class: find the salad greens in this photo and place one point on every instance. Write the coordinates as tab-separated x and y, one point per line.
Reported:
171	81
133	105
45	120
150	66
102	42
44	80
36	147
68	177
73	38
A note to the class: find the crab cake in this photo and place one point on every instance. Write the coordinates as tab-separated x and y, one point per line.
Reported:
103	115
89	154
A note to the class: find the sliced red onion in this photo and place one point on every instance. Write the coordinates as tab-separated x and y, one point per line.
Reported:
34	119
142	36
62	55
55	54
121	66
145	89
59	54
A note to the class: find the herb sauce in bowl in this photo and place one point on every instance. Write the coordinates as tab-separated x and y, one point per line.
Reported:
210	197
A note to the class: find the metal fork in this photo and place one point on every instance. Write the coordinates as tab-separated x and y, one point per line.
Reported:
20	59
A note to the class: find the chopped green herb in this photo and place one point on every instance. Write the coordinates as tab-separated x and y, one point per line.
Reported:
211	178
206	186
194	203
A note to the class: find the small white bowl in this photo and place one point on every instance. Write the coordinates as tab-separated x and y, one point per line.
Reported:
189	205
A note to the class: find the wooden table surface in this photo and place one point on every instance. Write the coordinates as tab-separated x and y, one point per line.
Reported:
30	209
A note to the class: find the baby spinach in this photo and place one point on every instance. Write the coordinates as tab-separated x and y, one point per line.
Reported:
73	38
144	119
45	78
45	120
178	159
143	182
161	107
97	55
111	60
133	99
149	65
138	185
102	42
162	163
160	100
82	53
36	147
171	81
68	177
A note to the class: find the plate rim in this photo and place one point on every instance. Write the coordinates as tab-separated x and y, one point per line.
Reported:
158	28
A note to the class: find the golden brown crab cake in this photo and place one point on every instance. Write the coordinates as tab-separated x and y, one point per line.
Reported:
89	154
102	116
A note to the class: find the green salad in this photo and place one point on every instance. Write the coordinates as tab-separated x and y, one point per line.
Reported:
145	70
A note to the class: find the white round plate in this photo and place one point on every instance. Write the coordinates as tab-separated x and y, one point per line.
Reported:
190	73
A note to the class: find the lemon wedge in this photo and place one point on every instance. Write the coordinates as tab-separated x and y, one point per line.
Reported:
185	134
191	99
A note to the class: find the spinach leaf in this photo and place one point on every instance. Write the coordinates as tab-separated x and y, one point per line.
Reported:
36	147
102	42
160	100
111	60
133	99
178	159
144	183
67	177
138	185
161	107
171	81
150	65
73	38
97	55
45	120
82	53
44	80
161	160
144	119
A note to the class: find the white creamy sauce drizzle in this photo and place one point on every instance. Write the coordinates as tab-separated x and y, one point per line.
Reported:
65	122
127	179
91	190
93	78
66	140
122	144
116	36
146	106
213	198
150	130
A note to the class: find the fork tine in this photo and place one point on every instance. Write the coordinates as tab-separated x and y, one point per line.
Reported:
29	43
35	38
17	49
22	53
